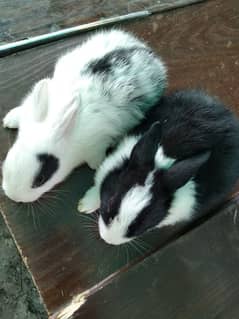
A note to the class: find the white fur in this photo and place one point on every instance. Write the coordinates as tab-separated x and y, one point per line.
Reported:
184	200
138	197
161	160
135	200
183	205
117	158
91	200
77	115
11	120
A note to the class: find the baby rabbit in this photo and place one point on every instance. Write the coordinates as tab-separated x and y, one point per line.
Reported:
181	162
97	93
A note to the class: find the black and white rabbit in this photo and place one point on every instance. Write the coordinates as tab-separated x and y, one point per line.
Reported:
98	92
181	162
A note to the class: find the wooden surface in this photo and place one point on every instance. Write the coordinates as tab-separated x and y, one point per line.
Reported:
200	45
26	18
196	277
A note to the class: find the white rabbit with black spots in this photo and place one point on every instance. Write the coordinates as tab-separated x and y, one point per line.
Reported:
98	92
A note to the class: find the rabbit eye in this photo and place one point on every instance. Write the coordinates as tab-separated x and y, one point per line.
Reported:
48	166
41	179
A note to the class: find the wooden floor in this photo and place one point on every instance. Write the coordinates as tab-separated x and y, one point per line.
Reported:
20	19
180	273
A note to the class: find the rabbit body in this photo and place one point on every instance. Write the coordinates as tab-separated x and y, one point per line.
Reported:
179	163
98	92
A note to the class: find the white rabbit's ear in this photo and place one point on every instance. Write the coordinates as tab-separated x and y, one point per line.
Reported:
66	123
40	96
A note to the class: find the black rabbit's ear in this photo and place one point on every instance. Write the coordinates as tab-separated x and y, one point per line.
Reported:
182	171
144	151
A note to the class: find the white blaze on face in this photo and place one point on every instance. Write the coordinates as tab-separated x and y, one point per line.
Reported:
161	160
116	159
134	201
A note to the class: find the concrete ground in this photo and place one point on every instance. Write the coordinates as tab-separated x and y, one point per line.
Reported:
19	298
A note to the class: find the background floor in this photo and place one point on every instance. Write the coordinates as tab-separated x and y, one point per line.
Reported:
19	298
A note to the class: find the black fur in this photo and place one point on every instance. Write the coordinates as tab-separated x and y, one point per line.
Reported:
114	187
191	123
201	134
154	212
106	64
49	165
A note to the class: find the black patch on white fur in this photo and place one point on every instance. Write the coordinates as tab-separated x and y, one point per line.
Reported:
49	165
106	64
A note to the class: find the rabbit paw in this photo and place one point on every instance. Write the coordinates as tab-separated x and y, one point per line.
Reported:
90	202
11	120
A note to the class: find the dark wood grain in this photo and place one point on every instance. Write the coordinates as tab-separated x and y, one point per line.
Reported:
196	277
200	45
62	249
22	19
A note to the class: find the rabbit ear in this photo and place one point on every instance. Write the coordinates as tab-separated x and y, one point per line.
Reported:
144	151
66	123
181	172
40	96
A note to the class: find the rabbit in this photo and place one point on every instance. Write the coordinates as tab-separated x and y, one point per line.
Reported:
180	163
98	92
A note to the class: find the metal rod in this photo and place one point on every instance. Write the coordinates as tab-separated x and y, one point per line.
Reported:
28	43
13	47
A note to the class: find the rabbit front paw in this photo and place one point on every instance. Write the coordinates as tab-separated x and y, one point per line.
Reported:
90	202
11	120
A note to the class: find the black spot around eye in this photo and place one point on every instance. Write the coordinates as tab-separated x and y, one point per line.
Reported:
49	165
